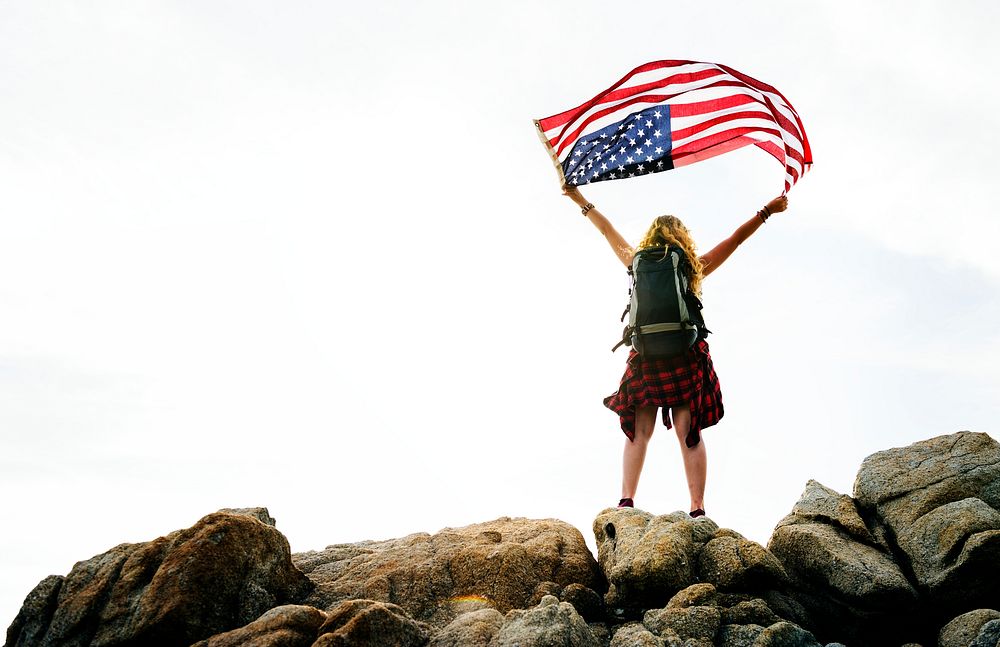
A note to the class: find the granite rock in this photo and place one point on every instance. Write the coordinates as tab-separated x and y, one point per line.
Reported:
497	564
220	574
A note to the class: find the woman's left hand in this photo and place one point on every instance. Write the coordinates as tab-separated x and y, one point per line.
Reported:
778	205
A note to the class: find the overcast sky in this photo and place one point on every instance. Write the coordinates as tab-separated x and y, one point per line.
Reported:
312	256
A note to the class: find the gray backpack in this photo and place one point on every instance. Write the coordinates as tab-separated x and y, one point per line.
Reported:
664	316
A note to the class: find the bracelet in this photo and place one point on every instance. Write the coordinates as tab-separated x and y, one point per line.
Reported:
585	208
764	214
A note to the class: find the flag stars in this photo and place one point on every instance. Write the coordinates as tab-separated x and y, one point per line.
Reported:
657	114
638	152
657	134
641	133
659	150
640	168
649	124
629	160
604	167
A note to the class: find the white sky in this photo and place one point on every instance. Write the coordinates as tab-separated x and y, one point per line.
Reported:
314	258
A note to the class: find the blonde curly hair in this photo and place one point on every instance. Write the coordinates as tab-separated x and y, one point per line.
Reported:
669	230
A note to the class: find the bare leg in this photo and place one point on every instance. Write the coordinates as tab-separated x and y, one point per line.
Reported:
695	458
635	450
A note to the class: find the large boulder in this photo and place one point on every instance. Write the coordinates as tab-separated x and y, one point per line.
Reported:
220	574
289	625
637	635
848	579
963	630
939	500
649	558
733	563
435	578
365	623
471	629
551	624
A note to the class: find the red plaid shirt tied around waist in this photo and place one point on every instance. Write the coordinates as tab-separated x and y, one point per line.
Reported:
688	379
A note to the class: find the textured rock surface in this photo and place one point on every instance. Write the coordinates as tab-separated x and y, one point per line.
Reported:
360	623
939	499
961	631
33	619
846	575
498	563
786	634
913	561
472	629
551	624
285	626
636	635
739	635
989	635
736	563
221	573
586	602
649	558
688	622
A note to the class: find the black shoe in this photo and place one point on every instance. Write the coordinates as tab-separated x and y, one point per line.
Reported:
697	513
626	503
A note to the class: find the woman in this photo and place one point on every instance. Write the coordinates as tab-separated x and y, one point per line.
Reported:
685	386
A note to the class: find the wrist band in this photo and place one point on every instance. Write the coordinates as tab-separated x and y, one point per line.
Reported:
764	214
585	208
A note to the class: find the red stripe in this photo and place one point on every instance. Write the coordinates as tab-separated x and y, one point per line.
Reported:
684	133
566	116
749	80
563	140
718	149
615	94
710	105
714	140
570	115
777	152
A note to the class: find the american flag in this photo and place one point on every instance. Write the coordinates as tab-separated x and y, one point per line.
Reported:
667	114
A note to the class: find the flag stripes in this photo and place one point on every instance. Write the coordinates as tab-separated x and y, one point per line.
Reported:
693	111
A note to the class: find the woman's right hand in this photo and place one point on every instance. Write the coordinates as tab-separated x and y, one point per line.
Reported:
778	205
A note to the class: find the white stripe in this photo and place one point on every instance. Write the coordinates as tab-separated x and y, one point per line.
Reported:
693	96
732	125
694	92
670	89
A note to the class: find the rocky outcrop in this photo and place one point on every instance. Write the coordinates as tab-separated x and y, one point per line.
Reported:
222	573
909	560
939	501
285	626
847	579
497	564
359	623
649	558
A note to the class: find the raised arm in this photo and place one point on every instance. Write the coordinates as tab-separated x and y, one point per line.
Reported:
717	256
622	249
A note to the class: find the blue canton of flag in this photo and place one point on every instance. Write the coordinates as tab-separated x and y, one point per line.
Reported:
637	145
